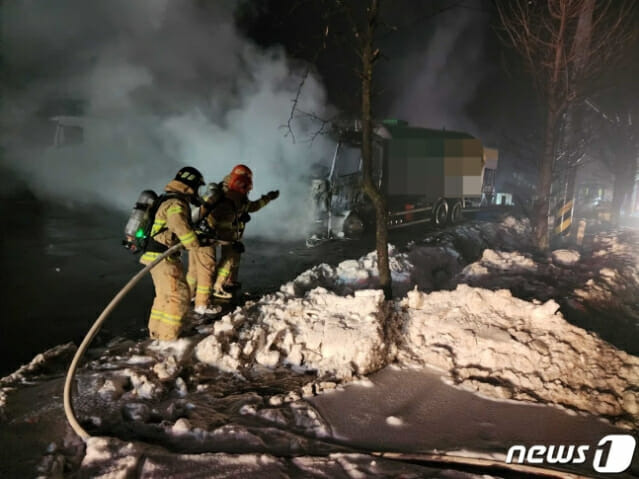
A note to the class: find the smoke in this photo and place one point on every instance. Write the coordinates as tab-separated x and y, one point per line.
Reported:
163	85
441	78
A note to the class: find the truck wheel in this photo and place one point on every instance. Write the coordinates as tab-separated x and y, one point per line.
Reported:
456	213
440	213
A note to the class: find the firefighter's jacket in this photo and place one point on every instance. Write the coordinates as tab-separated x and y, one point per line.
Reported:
227	216
172	223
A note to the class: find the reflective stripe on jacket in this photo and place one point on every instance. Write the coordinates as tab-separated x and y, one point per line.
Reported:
172	223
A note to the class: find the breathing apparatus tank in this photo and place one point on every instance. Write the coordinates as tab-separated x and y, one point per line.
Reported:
210	197
138	226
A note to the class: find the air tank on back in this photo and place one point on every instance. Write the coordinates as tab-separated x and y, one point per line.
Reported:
138	216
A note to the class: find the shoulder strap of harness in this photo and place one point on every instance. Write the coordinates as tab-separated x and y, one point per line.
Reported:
161	199
209	207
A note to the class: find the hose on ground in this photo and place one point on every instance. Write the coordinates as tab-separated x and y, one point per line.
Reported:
68	383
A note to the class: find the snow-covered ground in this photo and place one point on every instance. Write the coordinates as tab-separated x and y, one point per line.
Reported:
280	386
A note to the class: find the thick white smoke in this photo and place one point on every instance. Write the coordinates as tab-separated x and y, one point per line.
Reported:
165	84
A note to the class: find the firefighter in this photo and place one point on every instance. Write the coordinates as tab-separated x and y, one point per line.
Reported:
172	224
202	260
229	218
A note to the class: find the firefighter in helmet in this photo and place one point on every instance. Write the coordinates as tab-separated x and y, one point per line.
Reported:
202	266
229	218
172	224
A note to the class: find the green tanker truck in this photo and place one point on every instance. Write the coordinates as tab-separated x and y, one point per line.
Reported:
426	175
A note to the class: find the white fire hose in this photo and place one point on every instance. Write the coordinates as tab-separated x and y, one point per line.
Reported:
68	383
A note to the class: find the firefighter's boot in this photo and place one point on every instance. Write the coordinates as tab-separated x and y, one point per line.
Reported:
205	310
218	287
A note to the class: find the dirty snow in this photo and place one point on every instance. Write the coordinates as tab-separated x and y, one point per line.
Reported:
565	257
350	275
490	341
509	348
474	302
40	364
337	335
431	264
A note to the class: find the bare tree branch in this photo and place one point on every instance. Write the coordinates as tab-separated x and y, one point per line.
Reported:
567	45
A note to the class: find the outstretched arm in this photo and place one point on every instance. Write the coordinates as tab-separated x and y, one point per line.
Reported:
263	201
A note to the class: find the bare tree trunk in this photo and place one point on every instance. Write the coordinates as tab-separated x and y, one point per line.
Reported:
378	200
544	182
572	147
566	47
624	182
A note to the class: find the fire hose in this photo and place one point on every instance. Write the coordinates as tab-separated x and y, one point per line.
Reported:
68	383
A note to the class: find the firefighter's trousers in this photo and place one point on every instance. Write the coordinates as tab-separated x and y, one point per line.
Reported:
171	301
200	275
229	265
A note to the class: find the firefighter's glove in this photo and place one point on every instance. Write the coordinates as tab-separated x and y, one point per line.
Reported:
238	247
272	195
245	218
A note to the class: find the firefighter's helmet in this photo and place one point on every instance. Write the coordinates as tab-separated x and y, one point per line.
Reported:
242	170
240	183
191	177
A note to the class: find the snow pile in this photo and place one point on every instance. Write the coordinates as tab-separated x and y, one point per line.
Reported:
51	361
525	276
320	331
470	239
432	264
508	348
511	262
350	275
130	372
615	284
565	257
596	287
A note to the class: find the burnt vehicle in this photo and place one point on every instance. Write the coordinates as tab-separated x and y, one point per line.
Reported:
427	175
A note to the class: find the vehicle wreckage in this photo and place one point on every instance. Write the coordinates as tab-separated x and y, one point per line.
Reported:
427	175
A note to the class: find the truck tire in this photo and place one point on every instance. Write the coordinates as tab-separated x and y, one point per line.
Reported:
456	212
440	213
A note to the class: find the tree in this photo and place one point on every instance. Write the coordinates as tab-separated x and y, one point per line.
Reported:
566	45
357	25
365	39
361	21
617	145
